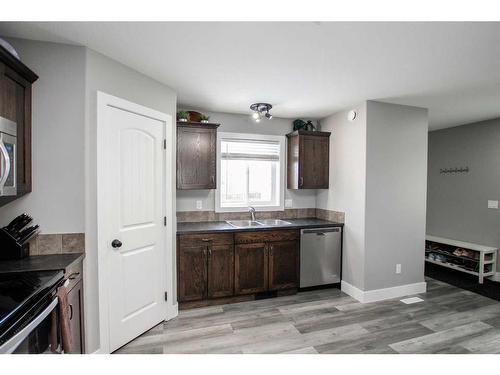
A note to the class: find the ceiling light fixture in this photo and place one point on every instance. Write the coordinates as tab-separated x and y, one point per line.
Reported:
260	110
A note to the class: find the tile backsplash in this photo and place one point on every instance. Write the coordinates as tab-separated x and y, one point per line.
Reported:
66	243
330	215
293	213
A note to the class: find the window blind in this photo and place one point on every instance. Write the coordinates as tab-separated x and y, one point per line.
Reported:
236	149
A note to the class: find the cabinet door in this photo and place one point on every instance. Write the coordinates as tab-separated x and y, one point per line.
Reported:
314	160
284	263
220	271
192	273
250	268
75	302
196	153
15	105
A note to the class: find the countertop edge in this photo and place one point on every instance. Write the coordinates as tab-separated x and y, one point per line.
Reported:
324	224
49	262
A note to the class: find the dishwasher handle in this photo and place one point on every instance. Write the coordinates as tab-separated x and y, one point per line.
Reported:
321	231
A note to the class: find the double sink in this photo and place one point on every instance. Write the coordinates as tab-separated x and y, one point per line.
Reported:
257	223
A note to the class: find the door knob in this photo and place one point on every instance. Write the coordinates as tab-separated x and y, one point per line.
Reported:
116	243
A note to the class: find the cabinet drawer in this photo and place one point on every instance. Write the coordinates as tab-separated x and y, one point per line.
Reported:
266	236
212	238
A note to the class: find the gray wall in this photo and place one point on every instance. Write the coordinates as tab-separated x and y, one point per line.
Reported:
236	123
111	77
57	200
396	184
347	187
457	203
378	171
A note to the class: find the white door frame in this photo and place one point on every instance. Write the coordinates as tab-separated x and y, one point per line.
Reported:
104	100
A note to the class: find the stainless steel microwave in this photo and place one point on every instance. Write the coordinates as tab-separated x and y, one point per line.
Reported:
8	150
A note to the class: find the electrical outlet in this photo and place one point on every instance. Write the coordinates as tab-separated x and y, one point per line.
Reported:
288	203
199	205
493	204
398	268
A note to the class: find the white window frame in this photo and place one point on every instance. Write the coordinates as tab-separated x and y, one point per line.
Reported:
256	137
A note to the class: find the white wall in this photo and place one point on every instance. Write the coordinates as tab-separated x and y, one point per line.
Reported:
236	123
396	187
57	200
111	77
347	187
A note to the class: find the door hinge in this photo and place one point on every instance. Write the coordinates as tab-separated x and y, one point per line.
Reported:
166	296
165	144
164	221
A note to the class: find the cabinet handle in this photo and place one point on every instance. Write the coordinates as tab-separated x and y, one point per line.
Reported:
210	252
212	179
301	181
74	275
70	312
205	239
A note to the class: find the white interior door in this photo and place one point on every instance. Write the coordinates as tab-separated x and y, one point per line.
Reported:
131	210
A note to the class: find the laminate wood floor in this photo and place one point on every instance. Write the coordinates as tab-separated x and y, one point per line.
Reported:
449	320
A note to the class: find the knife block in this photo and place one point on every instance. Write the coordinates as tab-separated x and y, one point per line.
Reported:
10	248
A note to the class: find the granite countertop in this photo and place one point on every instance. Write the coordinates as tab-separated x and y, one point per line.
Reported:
222	226
53	262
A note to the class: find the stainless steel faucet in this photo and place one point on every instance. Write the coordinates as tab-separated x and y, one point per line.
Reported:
252	213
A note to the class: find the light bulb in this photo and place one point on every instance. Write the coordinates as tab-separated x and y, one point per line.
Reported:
257	119
269	116
255	115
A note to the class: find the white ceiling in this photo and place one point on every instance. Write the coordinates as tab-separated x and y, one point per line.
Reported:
304	69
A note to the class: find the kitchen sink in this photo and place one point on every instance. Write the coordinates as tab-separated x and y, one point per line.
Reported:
244	223
274	222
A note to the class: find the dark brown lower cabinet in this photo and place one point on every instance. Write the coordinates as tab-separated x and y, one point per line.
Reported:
75	301
192	272
231	266
266	261
284	263
220	271
251	263
205	267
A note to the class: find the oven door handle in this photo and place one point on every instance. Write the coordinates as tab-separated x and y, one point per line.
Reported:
6	157
16	340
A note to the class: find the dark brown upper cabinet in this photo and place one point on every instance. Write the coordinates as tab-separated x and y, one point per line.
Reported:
196	155
15	105
308	159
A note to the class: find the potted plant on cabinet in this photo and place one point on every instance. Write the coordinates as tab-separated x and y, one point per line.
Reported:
183	116
204	118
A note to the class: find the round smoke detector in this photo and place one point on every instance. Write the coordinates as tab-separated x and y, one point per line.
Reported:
351	115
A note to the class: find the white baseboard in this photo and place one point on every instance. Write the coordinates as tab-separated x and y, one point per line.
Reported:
367	296
172	311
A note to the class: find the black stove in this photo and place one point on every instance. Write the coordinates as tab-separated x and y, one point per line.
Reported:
22	296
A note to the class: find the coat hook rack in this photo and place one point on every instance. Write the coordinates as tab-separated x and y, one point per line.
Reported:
454	170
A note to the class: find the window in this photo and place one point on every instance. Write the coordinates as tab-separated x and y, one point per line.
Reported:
251	172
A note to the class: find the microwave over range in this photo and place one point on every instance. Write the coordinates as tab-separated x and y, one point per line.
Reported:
8	145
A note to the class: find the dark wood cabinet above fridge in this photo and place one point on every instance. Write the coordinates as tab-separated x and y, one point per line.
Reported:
15	114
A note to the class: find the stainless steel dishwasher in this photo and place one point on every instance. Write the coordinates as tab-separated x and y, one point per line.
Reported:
320	256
